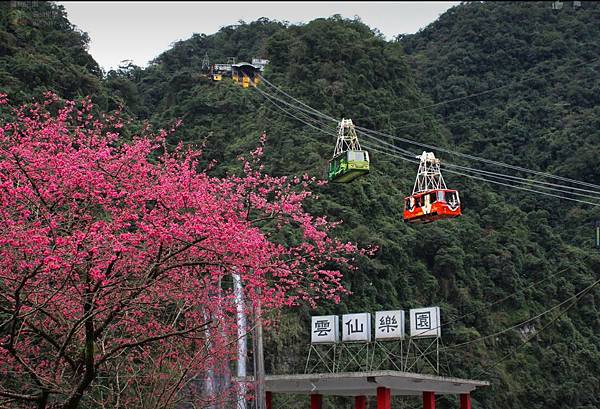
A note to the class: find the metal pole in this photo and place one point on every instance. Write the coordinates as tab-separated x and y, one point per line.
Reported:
242	343
259	358
224	376
210	385
437	355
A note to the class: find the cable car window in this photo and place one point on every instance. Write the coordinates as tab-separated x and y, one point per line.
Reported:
440	196
355	155
432	197
452	198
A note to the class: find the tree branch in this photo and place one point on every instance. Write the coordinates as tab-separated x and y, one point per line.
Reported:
150	339
20	396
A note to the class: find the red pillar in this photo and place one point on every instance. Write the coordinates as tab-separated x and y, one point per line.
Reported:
316	401
428	400
269	399
465	401
384	398
360	402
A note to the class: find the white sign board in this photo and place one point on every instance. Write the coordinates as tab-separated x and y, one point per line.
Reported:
425	322
324	329
356	327
389	325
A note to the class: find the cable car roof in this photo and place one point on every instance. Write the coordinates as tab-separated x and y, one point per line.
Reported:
244	64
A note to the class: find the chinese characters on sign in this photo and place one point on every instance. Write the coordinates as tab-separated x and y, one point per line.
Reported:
356	327
389	325
425	322
325	329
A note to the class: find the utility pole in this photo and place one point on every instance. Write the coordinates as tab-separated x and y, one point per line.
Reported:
210	385
259	358
238	290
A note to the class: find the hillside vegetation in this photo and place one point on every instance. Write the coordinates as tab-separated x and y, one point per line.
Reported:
40	50
505	241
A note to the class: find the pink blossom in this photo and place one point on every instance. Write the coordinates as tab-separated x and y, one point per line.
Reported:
121	259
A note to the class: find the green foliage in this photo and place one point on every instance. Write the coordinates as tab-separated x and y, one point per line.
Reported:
547	122
505	241
502	244
40	51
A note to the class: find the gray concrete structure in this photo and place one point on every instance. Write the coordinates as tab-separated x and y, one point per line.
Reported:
366	383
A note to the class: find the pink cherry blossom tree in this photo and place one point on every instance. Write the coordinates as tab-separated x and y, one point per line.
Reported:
116	259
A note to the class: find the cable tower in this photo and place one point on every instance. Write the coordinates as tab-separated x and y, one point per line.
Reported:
347	139
534	181
205	62
429	175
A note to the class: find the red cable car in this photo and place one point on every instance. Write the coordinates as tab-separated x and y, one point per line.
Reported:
432	205
431	200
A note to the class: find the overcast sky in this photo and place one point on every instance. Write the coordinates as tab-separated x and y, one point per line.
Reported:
139	31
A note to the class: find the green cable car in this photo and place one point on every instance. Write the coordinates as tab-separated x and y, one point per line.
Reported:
349	160
348	165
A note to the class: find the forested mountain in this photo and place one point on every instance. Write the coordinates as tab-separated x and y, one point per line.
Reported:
40	50
543	67
546	118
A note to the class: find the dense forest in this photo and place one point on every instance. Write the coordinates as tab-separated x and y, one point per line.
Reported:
543	115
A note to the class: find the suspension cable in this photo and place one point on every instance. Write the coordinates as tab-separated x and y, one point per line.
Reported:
309	109
318	123
538	183
374	149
